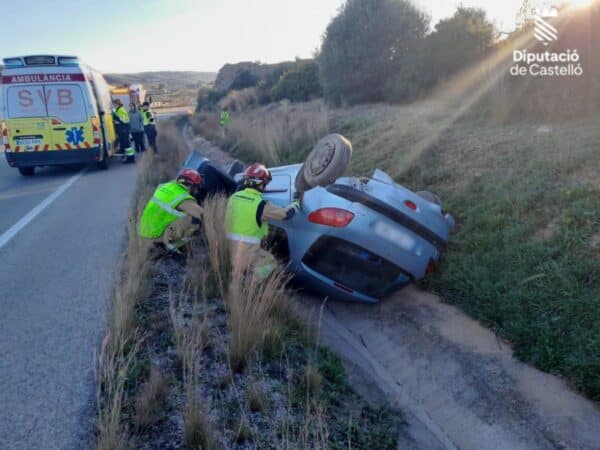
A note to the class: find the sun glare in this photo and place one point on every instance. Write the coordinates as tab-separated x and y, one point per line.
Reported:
580	3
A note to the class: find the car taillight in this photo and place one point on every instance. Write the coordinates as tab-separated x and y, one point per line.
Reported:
4	135
332	217
96	129
430	267
411	205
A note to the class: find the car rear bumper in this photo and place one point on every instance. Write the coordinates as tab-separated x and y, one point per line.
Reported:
53	157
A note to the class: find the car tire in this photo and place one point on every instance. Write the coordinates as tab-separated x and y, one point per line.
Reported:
103	165
327	161
430	197
27	171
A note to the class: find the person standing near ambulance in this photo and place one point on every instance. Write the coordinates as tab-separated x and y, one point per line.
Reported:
136	122
121	120
149	126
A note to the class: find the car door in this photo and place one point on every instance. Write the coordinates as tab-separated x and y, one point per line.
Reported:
279	190
70	121
27	118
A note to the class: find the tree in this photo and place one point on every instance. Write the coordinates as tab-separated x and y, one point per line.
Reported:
456	43
366	45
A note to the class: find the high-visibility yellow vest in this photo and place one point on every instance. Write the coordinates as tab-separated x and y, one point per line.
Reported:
147	117
240	219
160	212
122	114
225	119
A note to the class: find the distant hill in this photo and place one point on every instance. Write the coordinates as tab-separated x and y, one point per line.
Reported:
169	79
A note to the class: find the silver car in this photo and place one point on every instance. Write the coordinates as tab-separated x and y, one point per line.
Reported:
359	238
355	239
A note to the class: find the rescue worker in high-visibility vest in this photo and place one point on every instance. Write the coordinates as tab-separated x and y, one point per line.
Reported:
149	125
168	216
247	217
121	120
224	120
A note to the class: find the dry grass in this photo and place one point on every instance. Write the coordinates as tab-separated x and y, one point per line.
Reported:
151	400
197	430
121	344
251	302
113	363
215	241
276	134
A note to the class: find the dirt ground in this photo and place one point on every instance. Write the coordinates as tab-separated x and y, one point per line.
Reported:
460	386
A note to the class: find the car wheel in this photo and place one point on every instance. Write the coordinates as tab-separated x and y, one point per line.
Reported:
327	161
27	171
430	197
103	165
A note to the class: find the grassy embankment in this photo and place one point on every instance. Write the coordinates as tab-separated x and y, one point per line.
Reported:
525	257
199	354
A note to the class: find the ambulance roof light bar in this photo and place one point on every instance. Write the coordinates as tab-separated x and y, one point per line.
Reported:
40	60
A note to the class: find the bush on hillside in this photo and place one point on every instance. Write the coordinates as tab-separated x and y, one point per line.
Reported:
369	43
244	79
456	43
299	84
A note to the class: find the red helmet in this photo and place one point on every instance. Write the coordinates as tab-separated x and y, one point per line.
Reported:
191	177
257	174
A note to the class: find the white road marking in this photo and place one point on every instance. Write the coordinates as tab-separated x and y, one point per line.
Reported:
24	221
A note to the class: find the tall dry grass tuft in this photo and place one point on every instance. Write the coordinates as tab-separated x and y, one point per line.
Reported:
151	400
215	240
121	344
113	363
190	340
280	134
251	302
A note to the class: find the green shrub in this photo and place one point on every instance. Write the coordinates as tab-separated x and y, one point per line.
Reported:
299	84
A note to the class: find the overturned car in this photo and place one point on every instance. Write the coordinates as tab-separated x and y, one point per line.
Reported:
355	239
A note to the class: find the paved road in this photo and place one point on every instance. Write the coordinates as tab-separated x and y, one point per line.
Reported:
55	277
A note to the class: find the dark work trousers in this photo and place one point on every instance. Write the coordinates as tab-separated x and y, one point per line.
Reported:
150	131
138	138
123	135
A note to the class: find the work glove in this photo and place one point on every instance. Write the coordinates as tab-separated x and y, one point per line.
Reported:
291	212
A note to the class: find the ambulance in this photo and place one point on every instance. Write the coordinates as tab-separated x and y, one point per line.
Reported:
54	110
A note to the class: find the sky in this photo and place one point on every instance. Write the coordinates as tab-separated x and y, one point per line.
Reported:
142	35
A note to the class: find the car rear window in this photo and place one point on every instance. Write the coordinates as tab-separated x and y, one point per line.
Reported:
354	267
66	102
25	101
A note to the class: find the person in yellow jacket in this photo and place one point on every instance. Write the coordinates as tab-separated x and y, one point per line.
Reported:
122	128
247	217
149	125
168	216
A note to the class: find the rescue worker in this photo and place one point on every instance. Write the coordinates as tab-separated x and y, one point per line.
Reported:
136	122
224	120
121	119
247	217
149	126
168	216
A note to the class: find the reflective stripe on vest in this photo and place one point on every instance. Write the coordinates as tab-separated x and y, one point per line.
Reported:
240	220
161	211
245	239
